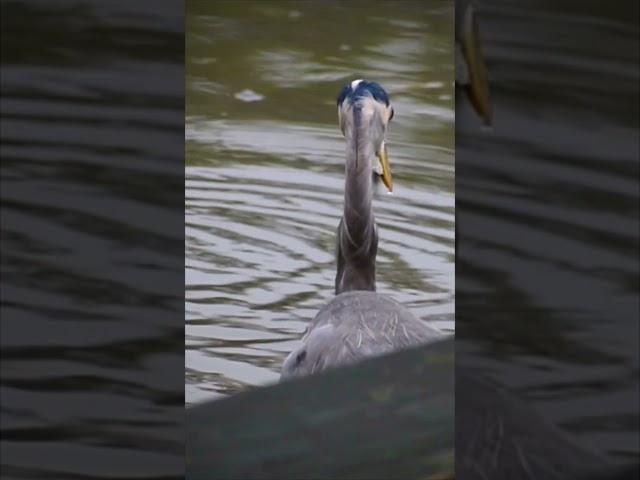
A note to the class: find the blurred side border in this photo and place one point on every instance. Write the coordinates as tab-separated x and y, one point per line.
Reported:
539	263
92	220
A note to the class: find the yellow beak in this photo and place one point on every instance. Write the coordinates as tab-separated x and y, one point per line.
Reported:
385	167
478	86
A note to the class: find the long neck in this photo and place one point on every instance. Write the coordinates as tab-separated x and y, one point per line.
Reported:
357	241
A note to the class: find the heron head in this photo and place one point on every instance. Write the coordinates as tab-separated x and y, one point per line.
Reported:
374	114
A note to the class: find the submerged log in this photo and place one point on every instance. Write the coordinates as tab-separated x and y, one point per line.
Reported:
386	417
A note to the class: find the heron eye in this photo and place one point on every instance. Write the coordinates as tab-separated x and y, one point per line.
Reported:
300	357
391	116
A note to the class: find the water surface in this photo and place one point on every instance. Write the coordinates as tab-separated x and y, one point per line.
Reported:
548	211
91	349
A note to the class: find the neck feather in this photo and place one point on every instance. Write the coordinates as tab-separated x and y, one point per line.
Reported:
357	238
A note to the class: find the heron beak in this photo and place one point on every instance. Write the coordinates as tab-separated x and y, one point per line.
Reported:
385	168
478	86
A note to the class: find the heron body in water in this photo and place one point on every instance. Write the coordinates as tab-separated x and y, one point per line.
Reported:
359	322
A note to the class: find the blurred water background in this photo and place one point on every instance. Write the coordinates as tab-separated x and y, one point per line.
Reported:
265	172
547	203
91	330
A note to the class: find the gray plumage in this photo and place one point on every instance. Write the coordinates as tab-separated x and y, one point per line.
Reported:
358	323
357	239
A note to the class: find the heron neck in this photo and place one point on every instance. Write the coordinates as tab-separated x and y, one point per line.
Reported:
357	239
358	193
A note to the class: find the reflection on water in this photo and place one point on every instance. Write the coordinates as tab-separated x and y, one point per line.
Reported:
548	218
264	176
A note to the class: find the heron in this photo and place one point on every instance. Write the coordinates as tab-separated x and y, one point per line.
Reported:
359	322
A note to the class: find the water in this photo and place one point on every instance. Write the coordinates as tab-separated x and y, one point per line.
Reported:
548	218
265	173
91	351
80	377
